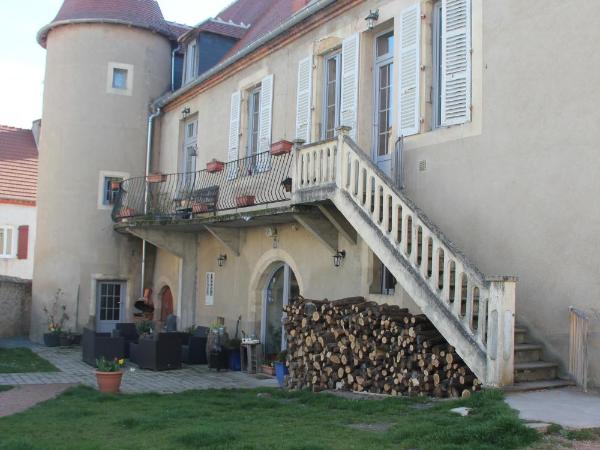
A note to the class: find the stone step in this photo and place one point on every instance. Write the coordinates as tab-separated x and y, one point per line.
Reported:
525	386
520	335
528	352
535	371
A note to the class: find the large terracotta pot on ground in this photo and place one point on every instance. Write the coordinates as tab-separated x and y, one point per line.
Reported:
109	382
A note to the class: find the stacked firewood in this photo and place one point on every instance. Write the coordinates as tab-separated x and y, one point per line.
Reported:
358	345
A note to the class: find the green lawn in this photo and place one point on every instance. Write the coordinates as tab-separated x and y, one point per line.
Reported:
23	360
84	419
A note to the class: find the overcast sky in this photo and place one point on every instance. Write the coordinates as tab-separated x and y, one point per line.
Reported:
22	59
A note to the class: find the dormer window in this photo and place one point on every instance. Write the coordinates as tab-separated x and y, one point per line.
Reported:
191	62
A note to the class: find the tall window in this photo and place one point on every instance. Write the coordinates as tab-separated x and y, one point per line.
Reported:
384	74
7	247
437	65
190	153
191	61
331	95
111	190
253	120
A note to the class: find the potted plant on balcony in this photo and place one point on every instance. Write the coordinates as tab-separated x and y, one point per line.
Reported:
56	316
245	200
109	375
156	178
281	369
281	148
214	166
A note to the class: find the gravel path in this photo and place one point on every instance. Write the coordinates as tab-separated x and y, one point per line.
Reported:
24	397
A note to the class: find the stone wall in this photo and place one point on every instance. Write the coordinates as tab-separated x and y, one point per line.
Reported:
15	306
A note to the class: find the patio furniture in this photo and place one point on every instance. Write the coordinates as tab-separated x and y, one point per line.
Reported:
195	351
128	331
159	352
96	345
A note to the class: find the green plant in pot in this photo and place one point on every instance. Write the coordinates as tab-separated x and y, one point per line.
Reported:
109	374
56	316
145	328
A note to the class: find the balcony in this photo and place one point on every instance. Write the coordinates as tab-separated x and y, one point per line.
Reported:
255	183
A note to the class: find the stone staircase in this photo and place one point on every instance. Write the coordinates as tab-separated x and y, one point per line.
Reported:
532	371
474	313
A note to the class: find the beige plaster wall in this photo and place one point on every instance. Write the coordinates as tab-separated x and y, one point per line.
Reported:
88	130
517	187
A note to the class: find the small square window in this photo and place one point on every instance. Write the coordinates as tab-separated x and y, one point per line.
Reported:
111	190
119	80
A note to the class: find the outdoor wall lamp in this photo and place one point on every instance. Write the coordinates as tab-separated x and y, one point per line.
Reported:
221	260
338	257
186	112
372	18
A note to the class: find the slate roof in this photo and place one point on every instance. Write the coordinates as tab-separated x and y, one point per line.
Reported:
18	164
138	13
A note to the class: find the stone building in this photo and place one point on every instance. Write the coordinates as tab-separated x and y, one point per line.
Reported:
431	167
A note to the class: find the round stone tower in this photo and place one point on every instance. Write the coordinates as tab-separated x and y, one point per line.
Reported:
106	61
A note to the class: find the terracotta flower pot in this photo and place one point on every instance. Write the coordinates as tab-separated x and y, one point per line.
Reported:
199	207
156	178
245	200
126	212
109	382
115	185
268	370
215	166
281	148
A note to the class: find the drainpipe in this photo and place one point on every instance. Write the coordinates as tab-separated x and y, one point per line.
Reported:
173	53
151	118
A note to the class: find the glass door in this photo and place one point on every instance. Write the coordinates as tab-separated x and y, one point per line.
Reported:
110	304
281	287
383	77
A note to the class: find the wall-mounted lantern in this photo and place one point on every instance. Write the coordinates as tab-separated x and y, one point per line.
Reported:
372	18
221	260
185	112
339	257
287	184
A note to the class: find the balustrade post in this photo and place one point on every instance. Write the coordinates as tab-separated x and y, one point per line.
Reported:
340	168
296	171
501	331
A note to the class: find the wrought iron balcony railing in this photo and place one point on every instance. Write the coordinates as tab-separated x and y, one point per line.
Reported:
256	180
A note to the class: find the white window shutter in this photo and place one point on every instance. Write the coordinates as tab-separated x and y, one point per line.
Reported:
303	100
456	62
410	71
264	127
234	133
350	67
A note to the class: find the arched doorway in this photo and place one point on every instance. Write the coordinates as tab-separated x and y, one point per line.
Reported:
281	287
166	303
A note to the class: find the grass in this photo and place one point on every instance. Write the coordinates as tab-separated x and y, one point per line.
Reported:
84	419
23	360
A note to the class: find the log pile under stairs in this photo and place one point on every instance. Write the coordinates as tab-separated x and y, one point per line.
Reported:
358	345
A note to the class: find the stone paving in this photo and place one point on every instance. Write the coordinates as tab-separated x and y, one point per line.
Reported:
75	371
